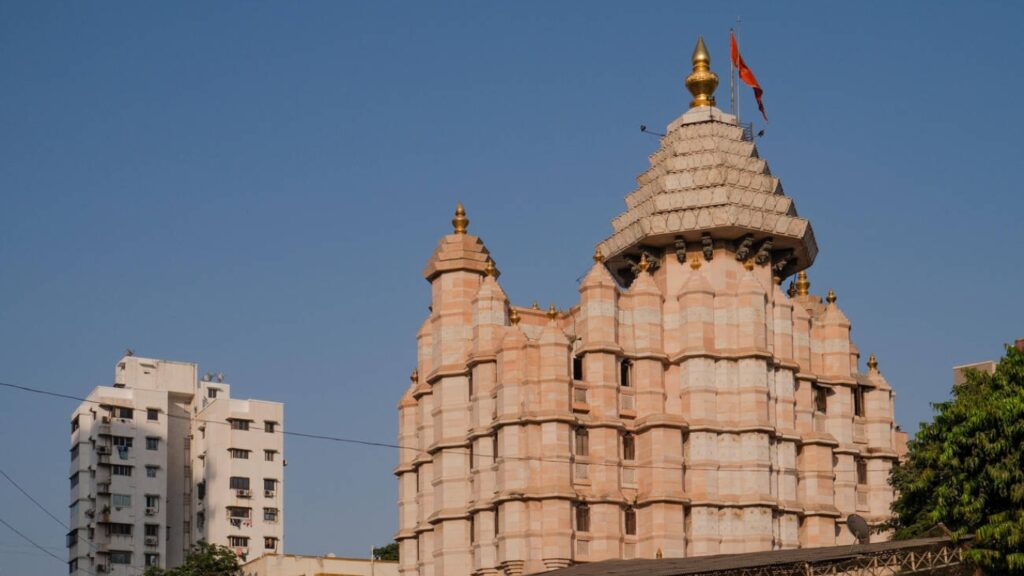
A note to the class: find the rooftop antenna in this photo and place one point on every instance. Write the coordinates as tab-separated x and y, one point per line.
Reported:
643	128
129	352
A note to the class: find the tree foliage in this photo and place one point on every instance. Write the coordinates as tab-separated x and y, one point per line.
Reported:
965	469
204	559
389	552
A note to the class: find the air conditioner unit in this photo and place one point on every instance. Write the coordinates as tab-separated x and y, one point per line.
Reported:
150	511
268	493
103	450
90	512
243	493
105	419
151	541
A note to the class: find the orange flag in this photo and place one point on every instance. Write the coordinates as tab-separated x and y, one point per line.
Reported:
746	74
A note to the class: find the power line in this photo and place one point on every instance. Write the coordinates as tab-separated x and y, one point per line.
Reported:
357	441
32	542
34	501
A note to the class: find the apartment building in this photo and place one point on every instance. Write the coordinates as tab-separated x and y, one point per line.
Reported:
153	461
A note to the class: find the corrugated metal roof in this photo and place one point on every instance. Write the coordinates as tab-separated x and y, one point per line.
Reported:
722	562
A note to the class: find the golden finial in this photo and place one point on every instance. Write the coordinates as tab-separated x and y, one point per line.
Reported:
644	263
748	264
803	285
489	268
831	298
513	317
460	222
695	263
535	305
415	376
598	256
702	81
552	313
659	555
872	363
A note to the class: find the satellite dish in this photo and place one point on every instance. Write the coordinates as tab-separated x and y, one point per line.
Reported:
859	528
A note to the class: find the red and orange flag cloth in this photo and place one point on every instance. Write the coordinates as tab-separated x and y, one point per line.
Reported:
746	74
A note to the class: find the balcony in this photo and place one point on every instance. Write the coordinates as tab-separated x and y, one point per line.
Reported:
103	487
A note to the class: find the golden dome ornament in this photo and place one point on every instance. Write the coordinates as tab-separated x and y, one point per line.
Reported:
831	298
490	269
513	317
872	363
598	256
460	222
803	285
644	265
702	81
552	312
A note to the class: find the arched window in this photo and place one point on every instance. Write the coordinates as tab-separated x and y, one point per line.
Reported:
625	373
582	517
629	521
582	442
628	447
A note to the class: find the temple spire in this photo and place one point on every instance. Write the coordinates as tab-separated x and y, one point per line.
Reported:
702	81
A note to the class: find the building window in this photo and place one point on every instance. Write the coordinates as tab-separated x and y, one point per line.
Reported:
152	414
497	520
211	392
152	559
74	452
469	385
238	424
628	447
74	479
74	423
239	483
862	471
270	515
269	484
72	538
121	500
119	470
269	426
625	373
472	528
122	441
153	501
73	566
582	442
268	455
582	518
126	413
629	519
820	400
152	443
201	490
858	401
238	541
494	447
120	557
577	367
239	453
153	530
270	543
116	529
200	519
151	471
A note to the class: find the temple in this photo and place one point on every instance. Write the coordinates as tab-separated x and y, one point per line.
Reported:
686	406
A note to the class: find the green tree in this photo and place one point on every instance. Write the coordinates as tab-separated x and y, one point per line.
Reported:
389	552
965	469
204	559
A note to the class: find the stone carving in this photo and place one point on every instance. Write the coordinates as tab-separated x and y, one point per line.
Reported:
743	247
783	259
708	245
764	253
680	245
652	264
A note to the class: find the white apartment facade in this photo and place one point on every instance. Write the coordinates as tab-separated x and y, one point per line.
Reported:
153	462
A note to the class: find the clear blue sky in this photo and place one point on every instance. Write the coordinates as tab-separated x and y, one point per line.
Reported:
257	186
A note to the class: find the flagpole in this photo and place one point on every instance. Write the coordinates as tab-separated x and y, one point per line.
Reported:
732	81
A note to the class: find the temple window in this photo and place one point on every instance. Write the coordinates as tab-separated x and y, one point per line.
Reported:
582	442
582	517
820	400
628	447
577	367
858	401
629	519
625	373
